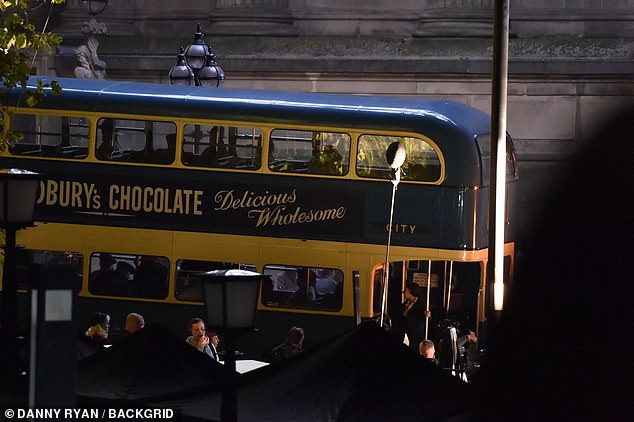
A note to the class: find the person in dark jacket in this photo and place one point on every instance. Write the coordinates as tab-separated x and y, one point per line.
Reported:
414	312
98	329
293	345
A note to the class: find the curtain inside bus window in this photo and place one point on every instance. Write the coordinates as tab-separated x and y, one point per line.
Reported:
218	146
188	281
421	163
113	274
138	141
49	136
303	287
309	152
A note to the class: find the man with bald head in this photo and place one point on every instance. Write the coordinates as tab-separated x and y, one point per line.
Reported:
133	323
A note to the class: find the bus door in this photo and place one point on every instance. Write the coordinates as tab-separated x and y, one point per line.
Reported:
452	289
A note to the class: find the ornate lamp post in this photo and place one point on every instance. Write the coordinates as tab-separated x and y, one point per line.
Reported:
93	7
231	300
18	196
197	64
181	73
210	74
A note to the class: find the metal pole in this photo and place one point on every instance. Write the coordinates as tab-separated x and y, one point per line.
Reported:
495	269
229	404
395	156
449	289
9	320
427	314
229	401
386	270
356	298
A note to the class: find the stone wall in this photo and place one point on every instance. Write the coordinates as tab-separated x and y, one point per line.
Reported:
569	65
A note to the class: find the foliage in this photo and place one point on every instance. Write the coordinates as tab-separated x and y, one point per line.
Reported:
20	41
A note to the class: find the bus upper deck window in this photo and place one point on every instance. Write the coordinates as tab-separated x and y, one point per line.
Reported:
308	152
422	162
218	146
50	136
138	141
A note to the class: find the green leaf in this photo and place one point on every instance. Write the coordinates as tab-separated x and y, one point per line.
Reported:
20	41
31	99
57	89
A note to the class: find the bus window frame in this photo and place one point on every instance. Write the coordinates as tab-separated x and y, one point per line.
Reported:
327	303
137	262
196	161
50	151
148	155
315	161
407	173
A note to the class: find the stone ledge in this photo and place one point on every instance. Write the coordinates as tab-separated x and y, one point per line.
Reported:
379	55
369	47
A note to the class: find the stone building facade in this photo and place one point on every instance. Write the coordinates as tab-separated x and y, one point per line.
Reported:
570	62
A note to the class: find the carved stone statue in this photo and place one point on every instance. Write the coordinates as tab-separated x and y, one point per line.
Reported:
85	69
90	65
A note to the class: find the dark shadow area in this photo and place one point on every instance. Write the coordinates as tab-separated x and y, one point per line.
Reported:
151	363
561	349
364	375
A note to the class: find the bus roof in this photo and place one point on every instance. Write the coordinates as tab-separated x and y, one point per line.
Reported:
452	125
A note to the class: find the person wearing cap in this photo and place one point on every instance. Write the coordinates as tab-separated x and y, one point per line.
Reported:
99	327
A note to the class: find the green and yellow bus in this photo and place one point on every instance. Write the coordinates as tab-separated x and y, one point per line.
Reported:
145	185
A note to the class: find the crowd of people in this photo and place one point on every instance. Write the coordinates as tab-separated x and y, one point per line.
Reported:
442	343
456	353
99	334
447	349
443	346
99	331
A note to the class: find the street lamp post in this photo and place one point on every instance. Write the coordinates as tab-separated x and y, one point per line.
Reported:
231	299
18	197
395	156
181	73
197	64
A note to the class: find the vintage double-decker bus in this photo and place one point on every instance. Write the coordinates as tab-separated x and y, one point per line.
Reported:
145	185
